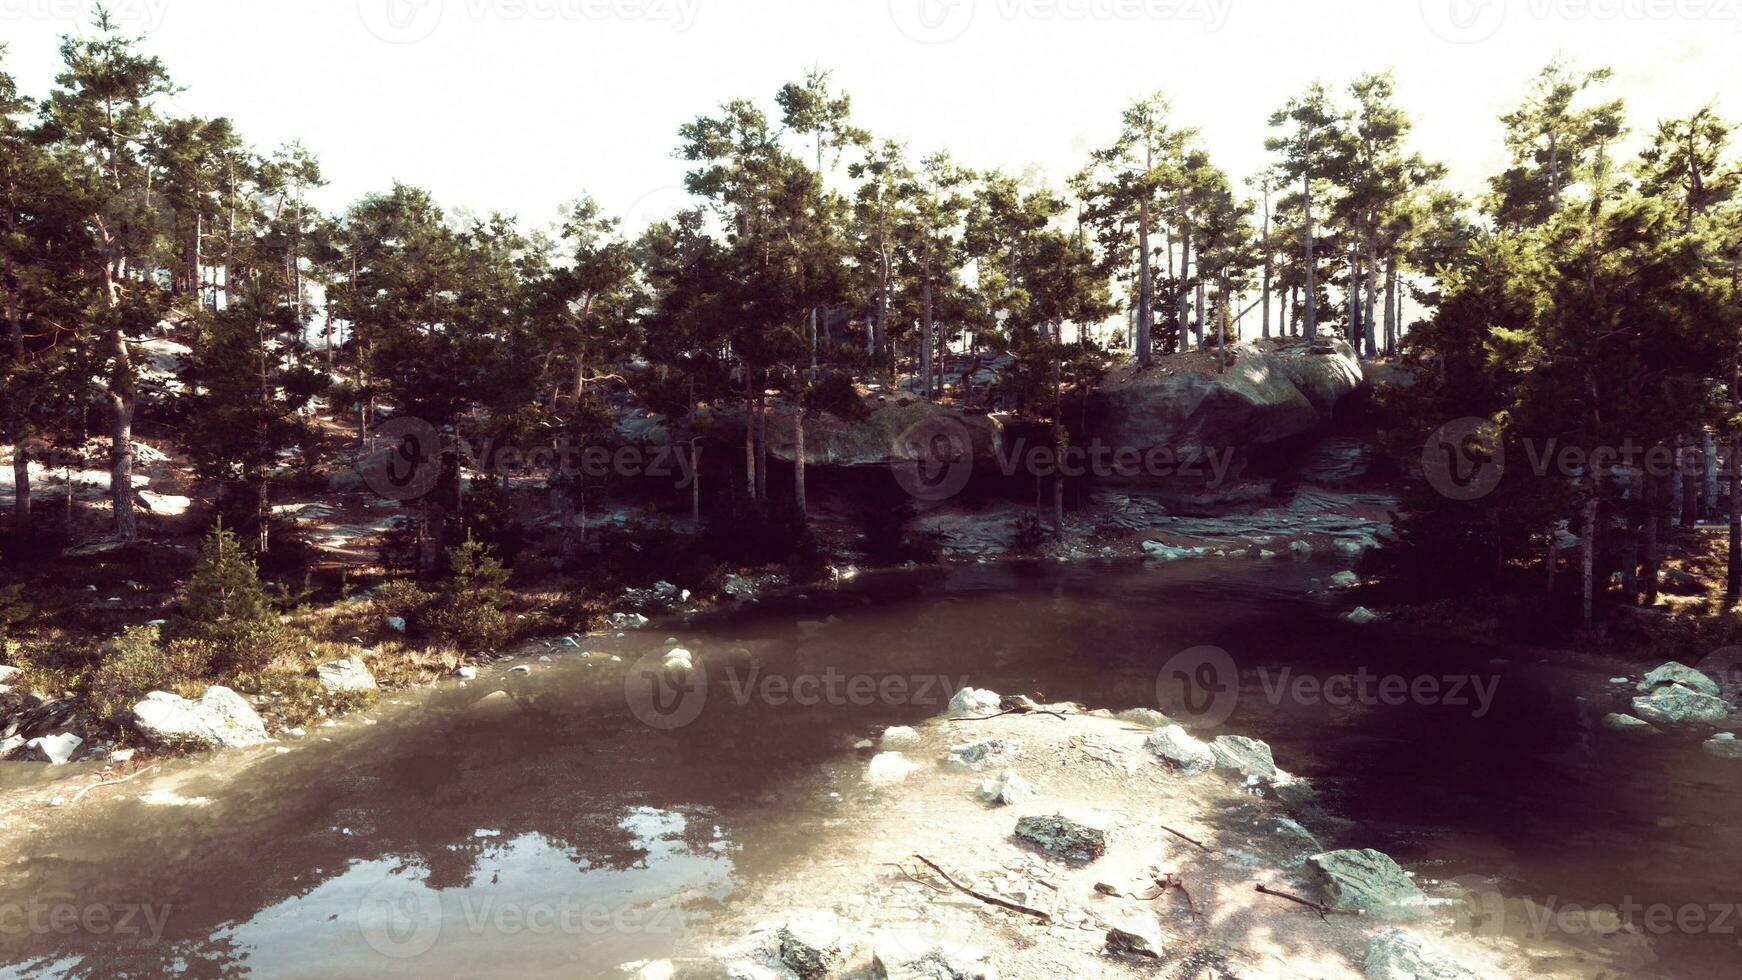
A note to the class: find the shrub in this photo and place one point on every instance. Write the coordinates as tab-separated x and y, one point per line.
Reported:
13	610
138	662
228	609
1027	533
403	598
836	394
471	609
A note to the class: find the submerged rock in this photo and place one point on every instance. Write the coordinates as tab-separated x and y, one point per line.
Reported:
1247	755
902	956
1396	955
1676	705
1674	673
990	752
972	702
1063	838
1181	751
1723	748
220	717
1617	722
1363	879
1004	789
346	675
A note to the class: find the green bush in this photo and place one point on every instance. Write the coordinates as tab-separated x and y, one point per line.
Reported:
227	608
471	610
13	610
403	598
138	662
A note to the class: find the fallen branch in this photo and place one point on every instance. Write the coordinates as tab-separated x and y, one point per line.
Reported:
911	877
1163	884
988	899
1200	845
109	782
1015	711
1321	908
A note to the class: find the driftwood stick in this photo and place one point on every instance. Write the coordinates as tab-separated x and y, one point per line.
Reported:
110	782
988	899
916	880
1200	845
1014	711
1321	908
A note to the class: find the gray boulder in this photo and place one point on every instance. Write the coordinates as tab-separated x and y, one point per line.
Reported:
902	956
1617	722
1677	705
979	755
219	718
1180	751
1147	717
349	674
811	943
1062	837
1674	673
973	702
1249	756
1396	955
1723	746
1004	789
1137	935
1364	879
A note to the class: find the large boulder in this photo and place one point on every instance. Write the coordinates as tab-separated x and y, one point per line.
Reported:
219	718
1004	789
811	943
1676	705
349	674
1180	751
56	750
1396	955
1271	393
994	752
1248	756
1674	673
1364	879
1062	837
973	702
901	956
879	439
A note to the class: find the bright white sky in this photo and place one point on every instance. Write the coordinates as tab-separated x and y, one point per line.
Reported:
518	105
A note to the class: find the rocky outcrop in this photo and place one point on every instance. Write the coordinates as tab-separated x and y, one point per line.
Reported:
219	718
980	755
1676	705
1674	673
1247	756
1364	879
1180	751
880	439
973	702
1271	393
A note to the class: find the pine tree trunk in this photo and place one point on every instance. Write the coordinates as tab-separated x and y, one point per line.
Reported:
1588	551
749	436
1391	307
926	337
21	487
1372	297
1653	493
798	457
1144	343
761	444
1708	475
1311	326
1690	499
1733	468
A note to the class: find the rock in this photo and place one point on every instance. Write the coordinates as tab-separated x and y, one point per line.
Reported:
346	675
1723	748
1294	791
220	717
56	750
665	590
864	743
1138	936
521	669
626	621
1266	554
811	943
1063	838
1004	789
1247	755
1361	616
1396	955
8	673
901	956
1345	580
1300	549
467	673
1363	879
1676	705
395	623
1353	547
11	744
678	661
888	435
897	738
887	768
1617	722
1147	717
678	969
1167	552
1181	751
1674	673
972	702
1678	582
989	752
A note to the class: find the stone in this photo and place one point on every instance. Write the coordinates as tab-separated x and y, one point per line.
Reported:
897	738
1300	549
56	750
1294	791
811	943
1063	838
972	702
887	768
1676	705
1181	751
1396	955
678	969
624	621
678	661
1617	722
8	673
1674	673
1361	616
979	755
1004	789
1722	748
1138	936
1363	879
1167	552
1147	717
1345	580
219	718
349	674
1249	756
901	956
395	623
11	744
467	673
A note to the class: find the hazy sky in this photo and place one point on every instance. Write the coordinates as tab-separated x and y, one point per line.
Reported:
518	105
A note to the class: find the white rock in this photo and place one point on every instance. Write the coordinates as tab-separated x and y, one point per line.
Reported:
56	750
1004	789
911	957
219	717
467	673
1674	673
1723	748
1361	616
898	738
1249	756
1180	750
1300	549
1396	955
1147	717
1617	722
8	673
972	702
349	674
887	768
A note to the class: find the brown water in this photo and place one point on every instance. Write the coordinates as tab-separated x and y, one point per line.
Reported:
555	834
